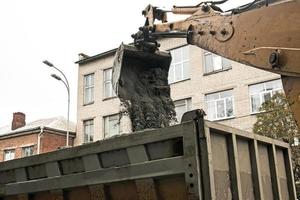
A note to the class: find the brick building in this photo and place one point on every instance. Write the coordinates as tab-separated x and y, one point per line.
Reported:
229	92
40	136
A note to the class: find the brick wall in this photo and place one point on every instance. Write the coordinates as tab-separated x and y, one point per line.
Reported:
17	143
51	142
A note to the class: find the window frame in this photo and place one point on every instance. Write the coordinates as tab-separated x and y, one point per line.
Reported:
113	94
181	63
272	92
225	106
26	147
85	88
104	125
206	53
186	100
89	134
9	150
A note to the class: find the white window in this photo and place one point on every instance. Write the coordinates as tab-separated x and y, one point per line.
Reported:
179	69
9	154
27	151
111	126
219	105
213	62
182	106
108	89
296	141
88	130
88	88
259	93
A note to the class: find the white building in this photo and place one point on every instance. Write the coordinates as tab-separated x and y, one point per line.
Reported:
229	92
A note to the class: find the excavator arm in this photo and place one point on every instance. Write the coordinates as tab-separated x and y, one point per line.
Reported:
260	34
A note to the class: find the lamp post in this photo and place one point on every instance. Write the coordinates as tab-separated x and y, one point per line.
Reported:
66	83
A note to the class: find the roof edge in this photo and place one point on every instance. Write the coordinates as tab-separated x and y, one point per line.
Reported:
23	132
92	58
64	132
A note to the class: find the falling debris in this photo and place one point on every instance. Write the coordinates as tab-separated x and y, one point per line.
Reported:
141	82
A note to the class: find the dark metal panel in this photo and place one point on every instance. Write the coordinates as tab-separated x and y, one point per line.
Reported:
132	139
234	167
52	169
36	172
164	149
137	154
23	197
145	188
245	170
220	164
97	192
91	162
172	188
78	193
282	176
71	166
7	176
290	174
255	163
274	172
57	195
265	172
223	129
209	170
151	169
114	158
191	162
124	190
21	174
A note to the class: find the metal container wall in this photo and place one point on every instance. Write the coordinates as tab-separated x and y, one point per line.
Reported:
193	160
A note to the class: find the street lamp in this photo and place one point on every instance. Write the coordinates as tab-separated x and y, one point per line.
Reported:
66	83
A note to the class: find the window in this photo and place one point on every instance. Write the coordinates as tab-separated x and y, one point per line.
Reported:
259	93
108	89
213	63
111	126
179	69
296	141
9	154
182	106
88	88
88	130
27	151
219	105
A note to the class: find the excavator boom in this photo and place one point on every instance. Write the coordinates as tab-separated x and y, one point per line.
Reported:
259	34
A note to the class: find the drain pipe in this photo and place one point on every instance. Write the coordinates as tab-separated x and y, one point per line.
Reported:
39	139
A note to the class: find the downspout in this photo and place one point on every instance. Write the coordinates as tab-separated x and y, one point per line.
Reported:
39	139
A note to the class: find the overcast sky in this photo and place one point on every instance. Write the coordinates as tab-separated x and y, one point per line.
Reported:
57	30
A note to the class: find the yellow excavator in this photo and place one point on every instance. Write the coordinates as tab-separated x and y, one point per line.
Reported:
264	34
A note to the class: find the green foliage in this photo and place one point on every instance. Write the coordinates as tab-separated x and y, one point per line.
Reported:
275	120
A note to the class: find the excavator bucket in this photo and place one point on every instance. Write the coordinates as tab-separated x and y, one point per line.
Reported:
130	63
140	80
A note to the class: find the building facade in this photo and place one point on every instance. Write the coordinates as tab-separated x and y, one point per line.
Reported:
40	136
229	92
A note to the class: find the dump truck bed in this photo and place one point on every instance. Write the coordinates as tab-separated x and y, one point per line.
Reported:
194	160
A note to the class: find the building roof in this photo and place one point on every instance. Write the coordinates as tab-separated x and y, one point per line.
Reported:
55	123
91	58
88	59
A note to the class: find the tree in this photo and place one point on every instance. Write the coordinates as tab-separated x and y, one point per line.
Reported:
275	120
